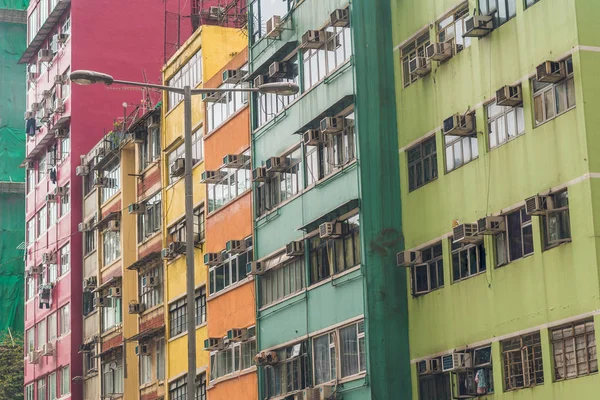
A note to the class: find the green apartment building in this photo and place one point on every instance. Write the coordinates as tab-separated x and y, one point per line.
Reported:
332	305
499	168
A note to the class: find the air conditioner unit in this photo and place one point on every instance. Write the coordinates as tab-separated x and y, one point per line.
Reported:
33	357
237	335
234	160
45	55
82	170
254	268
439	51
36	107
312	137
136	208
331	230
419	66
32	76
51	198
490	225
212	97
408	258
266	358
313	39
114	291
459	125
149	281
166	254
177	167
332	125
85	348
90	283
213	343
456	361
48	349
478	25
83	227
340	18
275	164
278	70
138	137
551	71
308	394
212	176
212	259
466	233
62	38
429	366
259	81
232	76
30	164
49	258
35	270
28	115
142	350
60	79
136	308
113	225
235	246
216	12
295	248
101	182
274	27
326	392
259	174
61	133
177	248
538	205
509	96
59	106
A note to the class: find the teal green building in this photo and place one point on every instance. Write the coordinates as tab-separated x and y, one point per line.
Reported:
331	304
499	168
13	29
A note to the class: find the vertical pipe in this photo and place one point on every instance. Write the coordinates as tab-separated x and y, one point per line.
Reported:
189	245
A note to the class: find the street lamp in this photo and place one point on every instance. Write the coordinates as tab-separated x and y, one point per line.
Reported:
83	77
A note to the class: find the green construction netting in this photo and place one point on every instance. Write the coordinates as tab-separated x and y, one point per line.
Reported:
14	4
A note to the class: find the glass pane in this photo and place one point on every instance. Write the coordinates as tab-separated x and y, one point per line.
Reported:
570	93
501	130
492	134
449	159
466	144
538	109
561	97
511	124
549	104
349	351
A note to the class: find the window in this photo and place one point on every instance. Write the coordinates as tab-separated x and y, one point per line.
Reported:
236	357
331	155
64	259
65	143
268	105
556	226
200	223
422	164
291	373
178	388
40	329
112	377
229	103
65	381
460	151
282	281
188	75
112	313
332	256
159	353
236	181
574	350
111	241
351	354
553	99
65	202
30	287
30	344
52	327
150	221
197	153
201	306
500	10
145	362
504	123
151	294
429	275
30	231
90	241
517	241
318	63
415	48
529	3
89	360
88	302
522	358
64	321
178	313
88	180
52	272
232	270
29	392
52	386
41	389
66	26
42	220
52	213
282	186
113	172
264	10
149	150
30	180
467	260
452	29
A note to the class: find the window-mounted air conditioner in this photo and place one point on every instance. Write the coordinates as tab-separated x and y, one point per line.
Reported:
90	283
235	160
235	246
237	335
408	258
102	182
83	227
232	76
33	357
331	230
538	205
212	97
551	71
212	259
113	225
466	233
478	25
312	137
254	268
295	248
274	27
509	96
51	198
137	208
216	12
176	248
278	70
459	125
212	176
101	301
47	93
441	51
149	281
177	167
419	66
49	258
456	361
45	55
313	39
82	170
213	343
340	18
258	81
61	133
266	358
62	38
275	164
136	308
114	292
429	366
142	350
35	270
48	349
490	225
259	174
332	125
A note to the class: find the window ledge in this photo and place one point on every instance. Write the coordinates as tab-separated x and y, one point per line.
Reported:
288	297
222	124
554	246
111	330
236	285
333	278
110	199
233	375
109	266
468	277
154	163
230	202
149	238
555	117
153	308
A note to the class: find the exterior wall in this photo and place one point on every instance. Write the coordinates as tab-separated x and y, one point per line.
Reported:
547	287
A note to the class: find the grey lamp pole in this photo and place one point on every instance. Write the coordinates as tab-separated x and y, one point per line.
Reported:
83	77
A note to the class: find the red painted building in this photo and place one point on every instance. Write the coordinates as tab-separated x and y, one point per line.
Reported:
122	38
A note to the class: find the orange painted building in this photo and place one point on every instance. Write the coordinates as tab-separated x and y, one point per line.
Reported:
230	305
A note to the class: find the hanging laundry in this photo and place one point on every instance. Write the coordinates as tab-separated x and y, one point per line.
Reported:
30	126
481	381
53	175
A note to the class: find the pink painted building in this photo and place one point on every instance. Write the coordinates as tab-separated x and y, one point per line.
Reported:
122	38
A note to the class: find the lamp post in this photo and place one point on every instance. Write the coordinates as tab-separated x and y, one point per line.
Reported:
83	77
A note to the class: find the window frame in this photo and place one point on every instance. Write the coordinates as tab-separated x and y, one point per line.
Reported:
421	160
234	357
524	225
561	212
431	263
525	346
487	10
451	22
231	273
588	323
459	249
551	88
415	47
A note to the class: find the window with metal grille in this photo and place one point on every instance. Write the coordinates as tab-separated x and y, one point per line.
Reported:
522	359
574	350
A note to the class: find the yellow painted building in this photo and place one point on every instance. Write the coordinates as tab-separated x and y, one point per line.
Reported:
200	57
